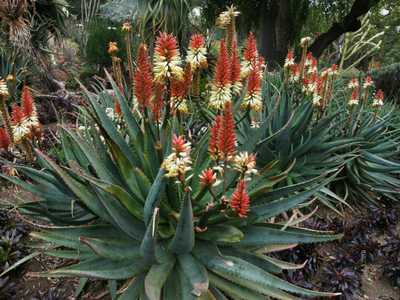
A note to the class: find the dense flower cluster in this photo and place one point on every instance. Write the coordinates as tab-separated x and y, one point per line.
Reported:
143	78
240	201
208	177
221	86
250	56
25	122
378	99
167	59
222	145
226	17
180	91
3	88
253	100
4	139
197	53
178	162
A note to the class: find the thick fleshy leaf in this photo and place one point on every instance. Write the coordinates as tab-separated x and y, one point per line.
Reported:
195	272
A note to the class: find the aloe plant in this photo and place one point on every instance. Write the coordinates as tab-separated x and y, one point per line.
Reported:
122	218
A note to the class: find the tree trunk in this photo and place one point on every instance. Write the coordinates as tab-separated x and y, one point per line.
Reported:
283	30
268	15
350	23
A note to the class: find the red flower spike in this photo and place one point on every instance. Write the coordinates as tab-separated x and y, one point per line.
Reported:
254	81
208	177
28	105
250	52
187	79
17	114
222	144
354	94
117	108
240	200
227	135
166	45
379	95
222	75
143	78
158	102
179	144
197	41
4	139
235	64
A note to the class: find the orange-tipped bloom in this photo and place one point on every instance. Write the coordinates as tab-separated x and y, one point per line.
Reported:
28	105
240	201
235	70
368	82
197	53
353	84
250	56
143	78
167	59
208	177
221	87
178	162
117	108
354	99
378	99
19	128
31	119
4	139
222	145
252	100
289	61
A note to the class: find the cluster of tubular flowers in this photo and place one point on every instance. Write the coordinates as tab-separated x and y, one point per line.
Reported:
158	101
3	88
4	139
226	17
250	56
289	60
378	99
253	100
25	122
208	178
354	98
236	80
245	163
240	200
221	86
353	84
178	162
222	144
143	78
167	59
180	91
197	53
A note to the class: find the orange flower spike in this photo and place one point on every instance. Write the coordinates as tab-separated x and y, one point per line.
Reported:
235	70
240	201
17	115
167	59
208	177
227	135
250	52
222	73
143	78
197	52
117	108
4	139
179	144
221	86
28	104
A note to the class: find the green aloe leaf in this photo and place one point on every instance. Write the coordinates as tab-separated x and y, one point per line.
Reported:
183	241
156	278
195	272
221	234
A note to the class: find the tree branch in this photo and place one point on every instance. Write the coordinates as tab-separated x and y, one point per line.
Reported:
350	23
